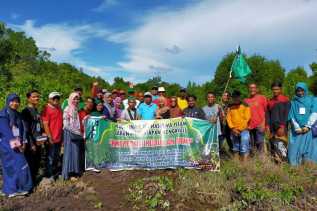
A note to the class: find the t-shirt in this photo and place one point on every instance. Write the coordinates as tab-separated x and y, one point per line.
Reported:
238	117
54	117
182	103
194	112
168	101
147	112
258	106
213	111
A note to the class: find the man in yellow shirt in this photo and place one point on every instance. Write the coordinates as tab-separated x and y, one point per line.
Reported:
238	118
181	100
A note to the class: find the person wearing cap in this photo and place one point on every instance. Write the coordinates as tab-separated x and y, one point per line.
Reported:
122	95
181	100
33	130
131	94
154	92
114	93
147	110
52	118
162	93
130	113
81	104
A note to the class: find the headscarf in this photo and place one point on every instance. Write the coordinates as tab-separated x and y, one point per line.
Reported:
117	101
297	103
12	115
71	112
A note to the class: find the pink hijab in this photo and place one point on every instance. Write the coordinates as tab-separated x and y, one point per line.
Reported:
71	114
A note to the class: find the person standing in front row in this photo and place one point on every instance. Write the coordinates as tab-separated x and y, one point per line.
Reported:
73	162
147	110
131	112
17	179
276	122
238	118
258	106
192	110
33	131
175	111
52	117
214	114
301	146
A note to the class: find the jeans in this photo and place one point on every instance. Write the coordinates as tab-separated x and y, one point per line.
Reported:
257	139
53	159
241	143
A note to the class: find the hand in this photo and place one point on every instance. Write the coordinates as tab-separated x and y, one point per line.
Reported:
236	132
213	120
305	129
95	83
299	131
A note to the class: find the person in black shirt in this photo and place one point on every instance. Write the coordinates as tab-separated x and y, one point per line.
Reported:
192	110
33	132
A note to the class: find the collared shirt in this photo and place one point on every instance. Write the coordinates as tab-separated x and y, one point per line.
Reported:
238	117
147	112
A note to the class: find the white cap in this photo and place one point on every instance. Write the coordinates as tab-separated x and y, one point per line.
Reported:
54	94
161	89
147	94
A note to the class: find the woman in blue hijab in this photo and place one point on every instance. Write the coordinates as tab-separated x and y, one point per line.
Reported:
16	173
300	138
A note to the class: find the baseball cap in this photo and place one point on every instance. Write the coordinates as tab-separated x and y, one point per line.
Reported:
147	94
54	94
161	89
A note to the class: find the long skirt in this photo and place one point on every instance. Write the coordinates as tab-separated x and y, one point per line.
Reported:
302	147
73	160
15	170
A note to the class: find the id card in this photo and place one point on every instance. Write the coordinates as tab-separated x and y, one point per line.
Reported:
302	111
15	131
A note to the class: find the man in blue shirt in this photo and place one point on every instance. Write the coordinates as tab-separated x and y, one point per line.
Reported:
147	110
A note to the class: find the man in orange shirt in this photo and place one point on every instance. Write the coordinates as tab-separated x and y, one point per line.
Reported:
238	118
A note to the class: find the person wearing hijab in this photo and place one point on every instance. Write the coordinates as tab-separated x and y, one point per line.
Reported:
99	108
163	111
17	179
117	102
300	136
73	163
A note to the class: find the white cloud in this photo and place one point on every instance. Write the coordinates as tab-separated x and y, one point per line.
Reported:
62	41
14	16
212	28
106	4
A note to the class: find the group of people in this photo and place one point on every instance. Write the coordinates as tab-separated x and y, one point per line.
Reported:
58	129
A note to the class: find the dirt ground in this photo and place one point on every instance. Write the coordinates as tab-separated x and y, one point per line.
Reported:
104	191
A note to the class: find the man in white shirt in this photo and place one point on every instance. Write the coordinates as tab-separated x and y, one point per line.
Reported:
131	93
130	113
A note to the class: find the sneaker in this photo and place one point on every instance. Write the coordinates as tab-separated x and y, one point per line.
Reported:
23	193
12	195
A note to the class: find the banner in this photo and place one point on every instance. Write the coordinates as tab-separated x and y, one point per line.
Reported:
152	144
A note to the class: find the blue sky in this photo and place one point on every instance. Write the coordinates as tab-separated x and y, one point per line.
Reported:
180	40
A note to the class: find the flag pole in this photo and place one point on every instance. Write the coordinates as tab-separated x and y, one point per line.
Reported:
227	84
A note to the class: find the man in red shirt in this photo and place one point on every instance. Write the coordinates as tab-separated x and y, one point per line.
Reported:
52	117
258	105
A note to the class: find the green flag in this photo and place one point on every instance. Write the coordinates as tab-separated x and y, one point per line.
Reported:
240	67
